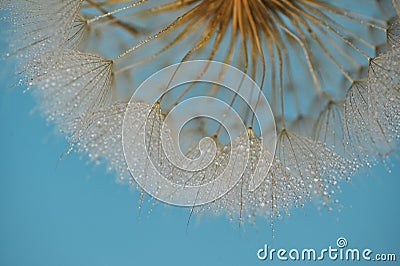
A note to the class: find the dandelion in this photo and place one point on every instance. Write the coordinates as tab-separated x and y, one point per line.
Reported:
329	70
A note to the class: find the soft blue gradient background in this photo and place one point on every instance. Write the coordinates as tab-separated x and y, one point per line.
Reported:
66	213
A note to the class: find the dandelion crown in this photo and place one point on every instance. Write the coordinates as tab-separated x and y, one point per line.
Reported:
329	70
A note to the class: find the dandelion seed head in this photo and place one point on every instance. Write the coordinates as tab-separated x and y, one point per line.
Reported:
330	71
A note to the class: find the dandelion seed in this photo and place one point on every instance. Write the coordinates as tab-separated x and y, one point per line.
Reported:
328	128
100	136
393	34
74	85
135	148
317	170
365	131
243	200
384	84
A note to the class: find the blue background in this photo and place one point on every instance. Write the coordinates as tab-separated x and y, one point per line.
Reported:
66	212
